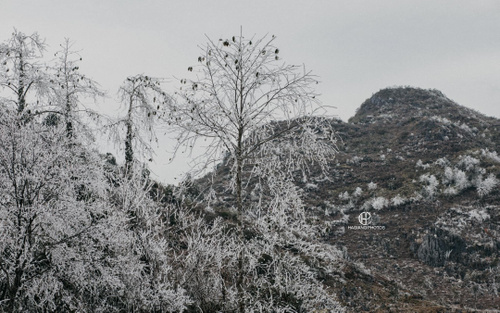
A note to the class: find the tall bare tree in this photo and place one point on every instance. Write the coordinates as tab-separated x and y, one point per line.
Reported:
259	115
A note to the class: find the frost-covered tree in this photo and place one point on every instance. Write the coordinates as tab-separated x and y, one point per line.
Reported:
52	199
20	69
74	237
142	97
66	244
241	89
69	86
256	114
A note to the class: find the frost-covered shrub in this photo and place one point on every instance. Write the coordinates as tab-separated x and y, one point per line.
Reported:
420	164
432	184
442	162
416	198
450	191
331	208
484	187
379	203
448	175
367	205
465	127
355	160
460	179
372	186
344	196
479	214
455	179
357	192
442	120
398	200
468	162
492	155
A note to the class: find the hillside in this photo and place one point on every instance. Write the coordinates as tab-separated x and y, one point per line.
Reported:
427	170
432	165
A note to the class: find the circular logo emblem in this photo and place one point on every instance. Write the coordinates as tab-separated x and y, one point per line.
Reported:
365	218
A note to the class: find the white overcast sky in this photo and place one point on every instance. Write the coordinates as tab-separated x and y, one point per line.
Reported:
355	47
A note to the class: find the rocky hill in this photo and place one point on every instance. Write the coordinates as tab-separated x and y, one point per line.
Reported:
427	170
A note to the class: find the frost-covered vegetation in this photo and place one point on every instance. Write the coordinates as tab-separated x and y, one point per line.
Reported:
81	233
268	229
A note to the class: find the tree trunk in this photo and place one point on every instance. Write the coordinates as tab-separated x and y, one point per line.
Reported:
129	151
14	289
21	101
239	203
69	123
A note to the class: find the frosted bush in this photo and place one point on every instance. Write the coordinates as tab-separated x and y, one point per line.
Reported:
398	200
344	196
355	160
367	205
448	175
492	155
379	203
422	165
416	198
460	178
450	191
456	178
479	215
442	162
372	186
343	220
484	187
442	120
432	184
467	162
358	192
465	127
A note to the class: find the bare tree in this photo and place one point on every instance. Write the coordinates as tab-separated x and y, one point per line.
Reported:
241	90
258	115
